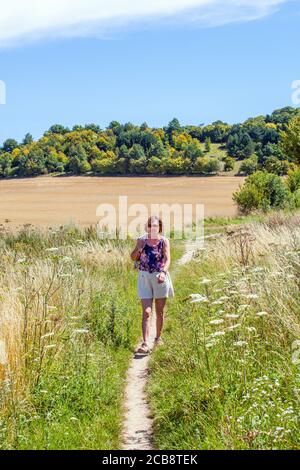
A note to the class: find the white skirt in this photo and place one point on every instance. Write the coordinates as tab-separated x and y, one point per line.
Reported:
149	287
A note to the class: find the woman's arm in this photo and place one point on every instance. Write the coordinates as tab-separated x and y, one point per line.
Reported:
167	255
167	261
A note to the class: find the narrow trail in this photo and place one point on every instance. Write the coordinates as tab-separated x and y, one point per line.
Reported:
137	433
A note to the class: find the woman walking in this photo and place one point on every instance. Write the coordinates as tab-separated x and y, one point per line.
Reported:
154	281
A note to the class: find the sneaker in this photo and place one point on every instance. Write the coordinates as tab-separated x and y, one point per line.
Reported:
144	348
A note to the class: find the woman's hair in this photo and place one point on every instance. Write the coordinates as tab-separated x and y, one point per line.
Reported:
152	218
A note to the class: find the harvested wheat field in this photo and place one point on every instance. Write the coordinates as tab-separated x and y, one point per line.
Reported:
47	201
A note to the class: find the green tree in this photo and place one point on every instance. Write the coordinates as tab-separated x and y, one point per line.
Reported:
28	139
290	140
9	145
249	166
207	144
263	191
229	164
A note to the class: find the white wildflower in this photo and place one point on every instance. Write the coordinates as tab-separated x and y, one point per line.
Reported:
81	331
233	327
47	335
198	298
217	333
205	281
240	343
216	322
251	296
215	387
251	329
262	314
243	306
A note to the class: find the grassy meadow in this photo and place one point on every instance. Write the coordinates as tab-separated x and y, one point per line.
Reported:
226	378
69	320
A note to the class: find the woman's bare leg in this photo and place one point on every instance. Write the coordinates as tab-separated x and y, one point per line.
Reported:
159	308
147	310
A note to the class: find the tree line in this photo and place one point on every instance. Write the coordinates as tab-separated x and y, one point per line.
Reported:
268	143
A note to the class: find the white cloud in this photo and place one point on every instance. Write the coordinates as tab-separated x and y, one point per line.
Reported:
30	20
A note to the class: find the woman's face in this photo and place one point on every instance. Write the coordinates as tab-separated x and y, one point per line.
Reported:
153	230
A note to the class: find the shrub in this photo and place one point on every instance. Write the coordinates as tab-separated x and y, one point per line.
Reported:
293	180
249	165
229	164
262	191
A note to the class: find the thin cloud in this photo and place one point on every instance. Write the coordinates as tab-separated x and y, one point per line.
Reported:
32	20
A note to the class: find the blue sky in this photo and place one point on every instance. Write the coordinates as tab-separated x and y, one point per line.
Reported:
209	62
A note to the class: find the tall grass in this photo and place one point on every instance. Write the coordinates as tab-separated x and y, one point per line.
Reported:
226	378
68	316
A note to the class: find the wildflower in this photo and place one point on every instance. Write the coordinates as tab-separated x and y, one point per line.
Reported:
251	329
205	281
47	335
66	259
240	343
231	315
233	327
215	387
243	306
251	296
216	322
217	333
257	269
22	260
52	250
81	331
198	298
261	314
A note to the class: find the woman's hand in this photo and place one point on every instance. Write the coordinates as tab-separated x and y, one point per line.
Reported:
161	277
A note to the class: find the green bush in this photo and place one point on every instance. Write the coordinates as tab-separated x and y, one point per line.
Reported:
293	180
229	164
249	165
263	191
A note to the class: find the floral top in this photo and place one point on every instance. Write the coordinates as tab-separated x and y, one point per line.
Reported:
152	257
